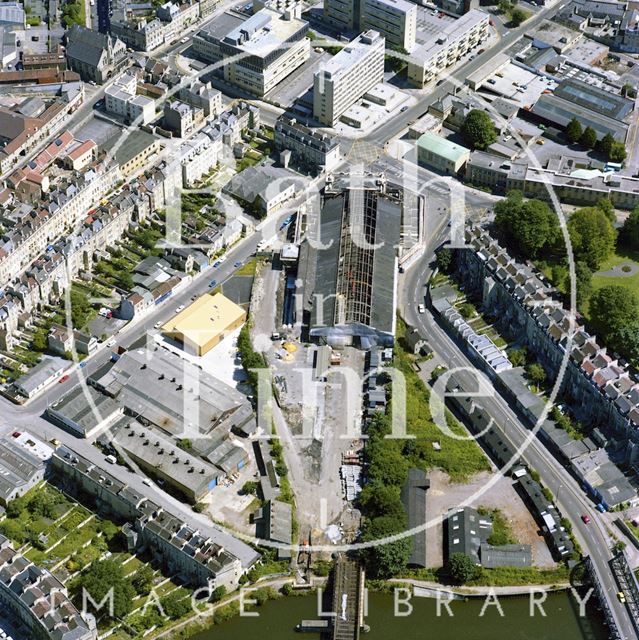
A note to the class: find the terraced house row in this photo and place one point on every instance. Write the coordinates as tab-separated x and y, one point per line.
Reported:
601	391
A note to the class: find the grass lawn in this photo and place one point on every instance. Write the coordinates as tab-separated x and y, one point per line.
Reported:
632	282
248	268
461	458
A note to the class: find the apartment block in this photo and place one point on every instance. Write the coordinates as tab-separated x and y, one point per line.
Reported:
258	52
120	98
396	20
454	41
348	76
198	156
307	146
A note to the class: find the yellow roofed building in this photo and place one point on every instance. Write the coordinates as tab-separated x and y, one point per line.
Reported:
205	323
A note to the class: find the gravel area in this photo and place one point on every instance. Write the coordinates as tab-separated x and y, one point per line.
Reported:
444	495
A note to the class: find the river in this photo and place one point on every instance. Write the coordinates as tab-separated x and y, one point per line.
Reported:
278	619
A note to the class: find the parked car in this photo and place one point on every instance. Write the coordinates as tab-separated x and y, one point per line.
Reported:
83	364
158	324
586	518
147	482
64	378
237	265
212	283
180	308
404	108
421	308
111	343
216	264
621	597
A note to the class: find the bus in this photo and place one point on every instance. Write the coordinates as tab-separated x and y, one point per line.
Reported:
612	166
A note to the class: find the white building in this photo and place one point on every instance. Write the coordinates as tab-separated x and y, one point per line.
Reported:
198	156
348	76
454	41
307	145
396	20
120	98
260	51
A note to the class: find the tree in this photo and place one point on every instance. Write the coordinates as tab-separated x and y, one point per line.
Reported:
503	6
626	341
142	581
39	342
478	129
612	308
101	577
592	236
583	282
617	152
444	260
517	357
629	233
588	138
378	499
218	593
528	226
574	130
536	373
386	560
605	144
461	568
518	16
175	605
605	205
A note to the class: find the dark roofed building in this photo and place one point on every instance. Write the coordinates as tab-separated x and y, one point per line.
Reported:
467	531
414	500
95	56
274	522
350	279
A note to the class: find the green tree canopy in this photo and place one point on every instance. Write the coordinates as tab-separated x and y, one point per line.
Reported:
617	152
478	129
606	144
461	568
142	580
592	236
386	560
612	309
536	373
583	282
629	233
588	138
528	226
517	16
101	577
574	130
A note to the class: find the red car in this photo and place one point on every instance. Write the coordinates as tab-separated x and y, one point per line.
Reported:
585	518
63	378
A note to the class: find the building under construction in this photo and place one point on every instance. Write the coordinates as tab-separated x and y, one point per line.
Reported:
349	262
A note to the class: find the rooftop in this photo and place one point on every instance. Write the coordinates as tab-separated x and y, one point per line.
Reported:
441	146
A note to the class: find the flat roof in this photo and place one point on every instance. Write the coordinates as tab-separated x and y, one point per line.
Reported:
442	147
205	319
352	53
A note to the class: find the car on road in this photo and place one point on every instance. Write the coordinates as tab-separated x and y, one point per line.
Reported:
621	597
237	265
158	324
421	308
83	364
180	308
216	264
212	283
147	482
64	378
586	518
404	108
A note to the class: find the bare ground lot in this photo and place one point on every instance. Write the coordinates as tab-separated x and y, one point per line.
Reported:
444	495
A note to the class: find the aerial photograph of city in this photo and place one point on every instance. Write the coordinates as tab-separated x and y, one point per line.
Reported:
319	319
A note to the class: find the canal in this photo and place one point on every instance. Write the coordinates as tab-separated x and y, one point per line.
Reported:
562	622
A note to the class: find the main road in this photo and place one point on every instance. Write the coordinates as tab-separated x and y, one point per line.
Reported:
593	537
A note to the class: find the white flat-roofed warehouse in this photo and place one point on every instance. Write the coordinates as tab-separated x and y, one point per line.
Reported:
345	78
19	470
261	50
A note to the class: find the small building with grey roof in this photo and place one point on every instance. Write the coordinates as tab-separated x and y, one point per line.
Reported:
19	471
84	411
413	495
43	374
274	522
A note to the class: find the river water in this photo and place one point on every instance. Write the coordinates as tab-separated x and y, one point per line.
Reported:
562	622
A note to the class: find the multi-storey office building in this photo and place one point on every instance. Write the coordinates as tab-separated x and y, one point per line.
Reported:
348	76
256	53
396	20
